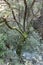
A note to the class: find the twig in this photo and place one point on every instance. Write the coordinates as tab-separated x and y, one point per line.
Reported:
32	3
12	28
25	3
19	25
35	15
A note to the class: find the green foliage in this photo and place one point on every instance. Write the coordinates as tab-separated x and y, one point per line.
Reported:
2	45
33	42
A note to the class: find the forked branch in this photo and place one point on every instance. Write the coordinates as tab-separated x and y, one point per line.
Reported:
15	20
12	28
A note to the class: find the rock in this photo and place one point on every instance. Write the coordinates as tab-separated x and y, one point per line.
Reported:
28	63
41	63
40	58
34	60
27	55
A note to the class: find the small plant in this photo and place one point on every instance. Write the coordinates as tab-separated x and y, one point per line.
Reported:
22	15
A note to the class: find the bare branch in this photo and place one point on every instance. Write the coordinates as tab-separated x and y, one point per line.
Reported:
12	28
19	25
35	15
25	3
32	3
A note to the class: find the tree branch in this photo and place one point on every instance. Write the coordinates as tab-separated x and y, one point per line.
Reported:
35	15
25	3
12	28
32	3
19	25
